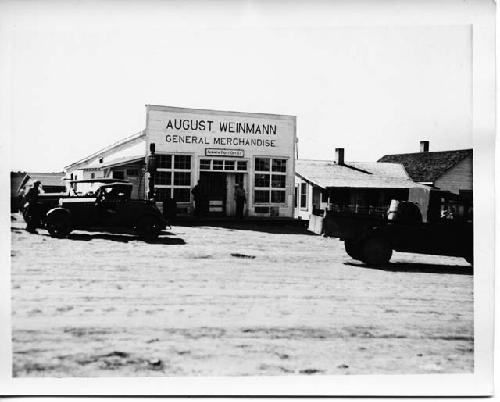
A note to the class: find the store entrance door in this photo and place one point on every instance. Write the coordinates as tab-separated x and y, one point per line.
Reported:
213	187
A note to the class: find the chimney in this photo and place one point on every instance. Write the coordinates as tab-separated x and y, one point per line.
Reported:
339	156
424	146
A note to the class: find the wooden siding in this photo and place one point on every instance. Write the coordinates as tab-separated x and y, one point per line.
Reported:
457	178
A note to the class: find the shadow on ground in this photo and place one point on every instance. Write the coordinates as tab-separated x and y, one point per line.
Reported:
418	267
123	238
274	228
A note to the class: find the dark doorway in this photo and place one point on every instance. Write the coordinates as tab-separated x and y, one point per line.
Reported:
213	187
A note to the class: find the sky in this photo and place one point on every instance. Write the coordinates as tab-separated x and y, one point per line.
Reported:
80	74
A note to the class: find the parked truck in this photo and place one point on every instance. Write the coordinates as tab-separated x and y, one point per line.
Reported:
447	229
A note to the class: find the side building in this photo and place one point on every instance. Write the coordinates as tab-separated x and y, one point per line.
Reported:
20	182
216	149
445	170
354	187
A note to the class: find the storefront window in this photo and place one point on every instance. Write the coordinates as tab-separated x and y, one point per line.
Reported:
164	161
278	197
173	177
182	162
262	164
270	187
278	181
261	196
279	165
163	178
223	164
205	164
182	178
261	180
218	164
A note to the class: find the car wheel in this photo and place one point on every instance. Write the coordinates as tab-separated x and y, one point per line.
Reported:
376	251
59	226
352	248
148	228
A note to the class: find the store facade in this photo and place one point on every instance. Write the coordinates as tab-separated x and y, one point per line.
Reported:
217	150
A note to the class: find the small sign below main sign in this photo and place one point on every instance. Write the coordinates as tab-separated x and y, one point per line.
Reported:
239	153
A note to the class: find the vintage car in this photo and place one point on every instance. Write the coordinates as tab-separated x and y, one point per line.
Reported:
110	209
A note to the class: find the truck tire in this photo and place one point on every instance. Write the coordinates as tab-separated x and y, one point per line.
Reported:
58	225
148	228
352	248
376	251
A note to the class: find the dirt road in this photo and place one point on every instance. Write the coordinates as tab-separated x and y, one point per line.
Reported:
219	301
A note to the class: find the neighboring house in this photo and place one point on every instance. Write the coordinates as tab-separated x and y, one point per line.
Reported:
364	187
21	181
446	170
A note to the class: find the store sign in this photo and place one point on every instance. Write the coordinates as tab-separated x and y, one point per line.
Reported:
239	153
215	133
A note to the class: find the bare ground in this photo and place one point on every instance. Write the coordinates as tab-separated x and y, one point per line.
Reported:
241	301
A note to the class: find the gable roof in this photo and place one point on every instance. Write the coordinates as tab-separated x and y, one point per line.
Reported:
326	174
427	167
128	140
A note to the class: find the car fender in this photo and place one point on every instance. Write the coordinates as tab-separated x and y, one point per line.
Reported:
58	211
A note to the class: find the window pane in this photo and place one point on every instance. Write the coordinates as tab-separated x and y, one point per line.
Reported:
182	194
218	164
162	194
279	165
163	178
118	174
242	165
228	165
278	196
261	196
182	161
164	161
279	181
182	178
261	180
303	195
262	164
132	172
205	164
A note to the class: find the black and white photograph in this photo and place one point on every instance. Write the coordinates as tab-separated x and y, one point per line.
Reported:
248	197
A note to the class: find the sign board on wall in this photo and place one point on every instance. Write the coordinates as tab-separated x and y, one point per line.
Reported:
216	133
238	153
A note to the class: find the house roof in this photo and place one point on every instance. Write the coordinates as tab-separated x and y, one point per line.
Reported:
124	141
427	167
120	161
354	174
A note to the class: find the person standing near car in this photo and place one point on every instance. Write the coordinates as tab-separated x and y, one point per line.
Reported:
32	208
198	199
240	198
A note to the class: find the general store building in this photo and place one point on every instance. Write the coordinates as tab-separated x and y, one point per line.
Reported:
217	148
